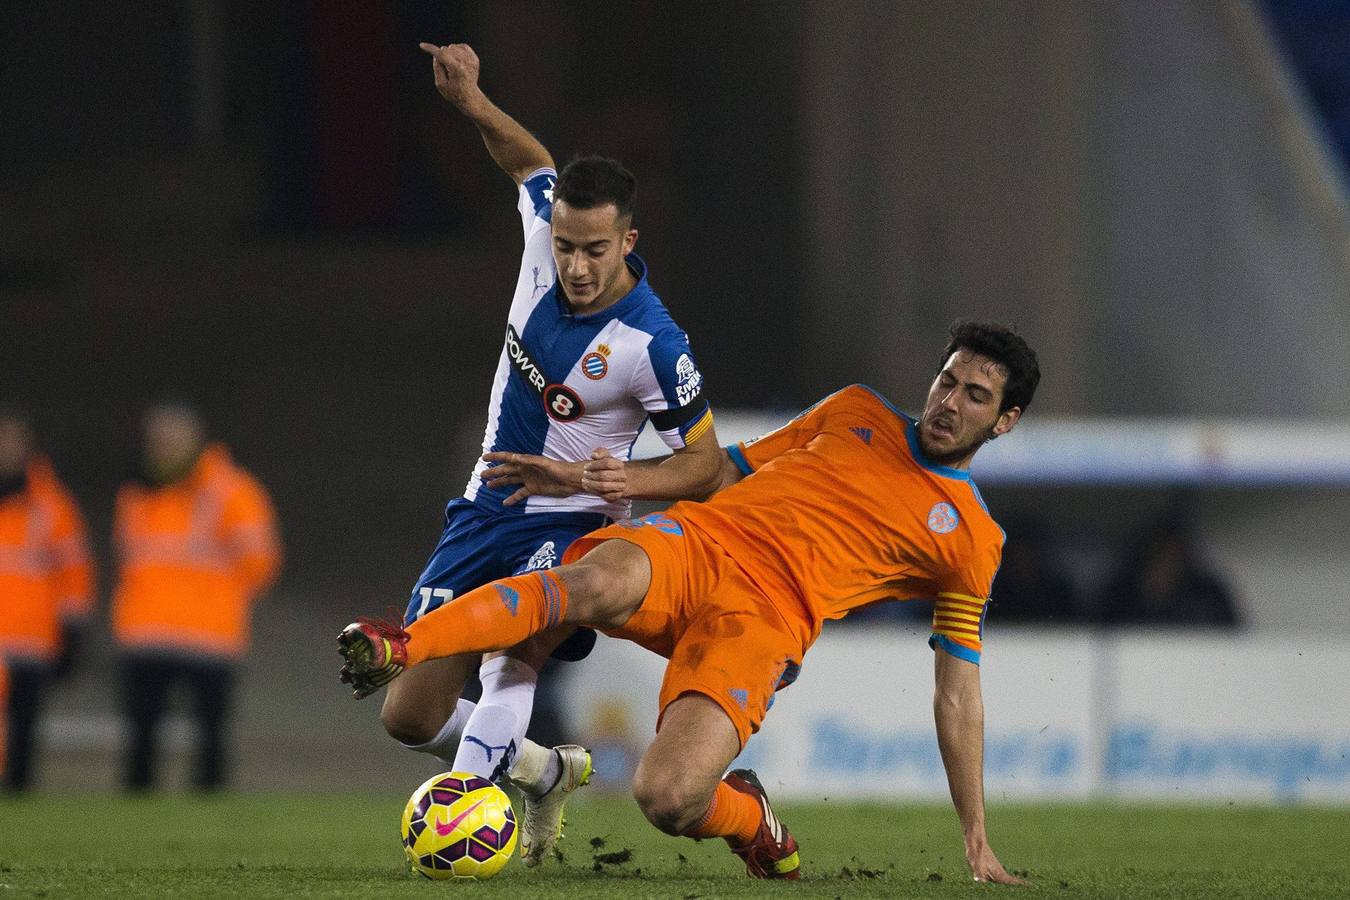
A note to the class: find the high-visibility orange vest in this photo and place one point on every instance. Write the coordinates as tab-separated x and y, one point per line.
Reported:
193	556
45	572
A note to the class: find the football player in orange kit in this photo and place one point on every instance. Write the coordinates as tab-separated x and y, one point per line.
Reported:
851	503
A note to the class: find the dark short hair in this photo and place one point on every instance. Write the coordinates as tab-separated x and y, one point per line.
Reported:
591	181
1005	347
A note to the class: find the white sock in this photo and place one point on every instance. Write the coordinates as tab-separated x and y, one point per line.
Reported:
496	730
446	742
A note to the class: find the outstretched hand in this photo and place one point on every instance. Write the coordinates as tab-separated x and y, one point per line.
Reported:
602	475
984	866
456	69
536	475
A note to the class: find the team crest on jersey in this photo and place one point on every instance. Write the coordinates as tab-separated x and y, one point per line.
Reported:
544	558
942	518
690	379
595	365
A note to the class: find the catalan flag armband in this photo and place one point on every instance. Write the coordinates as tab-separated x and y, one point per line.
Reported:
683	425
958	624
698	426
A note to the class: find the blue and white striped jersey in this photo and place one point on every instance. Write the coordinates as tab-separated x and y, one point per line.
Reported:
567	384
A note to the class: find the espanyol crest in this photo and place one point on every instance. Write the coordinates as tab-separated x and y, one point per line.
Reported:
594	366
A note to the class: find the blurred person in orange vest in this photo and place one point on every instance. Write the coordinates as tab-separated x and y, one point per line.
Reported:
46	584
4	712
197	543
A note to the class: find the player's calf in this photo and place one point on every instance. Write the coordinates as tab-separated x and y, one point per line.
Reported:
420	703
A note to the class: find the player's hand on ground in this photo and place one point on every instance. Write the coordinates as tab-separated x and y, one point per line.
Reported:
536	475
984	866
605	476
456	69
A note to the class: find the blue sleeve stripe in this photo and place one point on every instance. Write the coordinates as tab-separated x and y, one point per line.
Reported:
734	451
955	649
540	180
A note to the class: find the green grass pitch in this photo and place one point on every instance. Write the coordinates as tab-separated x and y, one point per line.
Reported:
293	846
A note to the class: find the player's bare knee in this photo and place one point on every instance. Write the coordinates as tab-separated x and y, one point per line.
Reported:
404	728
410	723
595	595
670	801
661	806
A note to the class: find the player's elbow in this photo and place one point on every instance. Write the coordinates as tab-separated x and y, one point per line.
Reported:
724	473
711	475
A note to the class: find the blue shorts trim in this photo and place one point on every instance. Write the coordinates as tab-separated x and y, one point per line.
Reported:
479	545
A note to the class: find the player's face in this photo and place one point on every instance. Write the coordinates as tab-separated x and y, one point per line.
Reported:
588	247
171	439
16	443
962	409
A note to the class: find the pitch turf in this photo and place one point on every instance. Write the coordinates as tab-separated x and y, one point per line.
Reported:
258	846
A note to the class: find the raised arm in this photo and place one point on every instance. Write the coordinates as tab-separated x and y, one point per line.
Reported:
958	709
513	148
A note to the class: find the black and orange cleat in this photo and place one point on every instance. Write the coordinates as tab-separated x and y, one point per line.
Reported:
773	851
375	650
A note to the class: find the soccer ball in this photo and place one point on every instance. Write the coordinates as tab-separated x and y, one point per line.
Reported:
458	825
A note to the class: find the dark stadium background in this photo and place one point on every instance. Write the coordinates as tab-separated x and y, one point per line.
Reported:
266	208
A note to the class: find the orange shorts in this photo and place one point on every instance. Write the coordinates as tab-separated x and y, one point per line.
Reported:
724	638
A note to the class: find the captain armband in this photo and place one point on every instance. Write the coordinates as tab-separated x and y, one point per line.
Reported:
958	625
691	421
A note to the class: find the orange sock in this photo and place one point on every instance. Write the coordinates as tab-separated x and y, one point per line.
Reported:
731	815
493	617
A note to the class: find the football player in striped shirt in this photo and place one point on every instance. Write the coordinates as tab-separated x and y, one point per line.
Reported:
851	503
590	355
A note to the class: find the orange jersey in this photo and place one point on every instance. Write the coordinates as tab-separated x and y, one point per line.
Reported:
194	555
840	509
45	571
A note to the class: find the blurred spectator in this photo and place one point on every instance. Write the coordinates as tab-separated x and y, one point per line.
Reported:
4	713
46	584
1032	583
1162	581
197	543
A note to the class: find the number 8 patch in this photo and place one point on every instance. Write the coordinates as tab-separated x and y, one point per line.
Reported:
562	403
